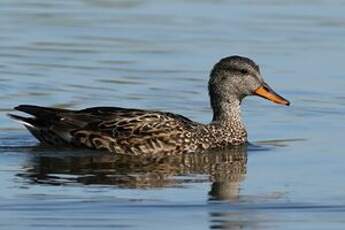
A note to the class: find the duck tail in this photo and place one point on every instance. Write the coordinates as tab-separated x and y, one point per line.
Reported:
38	111
28	122
42	123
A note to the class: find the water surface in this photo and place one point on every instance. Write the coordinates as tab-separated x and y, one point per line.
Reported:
157	55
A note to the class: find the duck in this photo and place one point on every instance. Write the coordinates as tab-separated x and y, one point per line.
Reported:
137	132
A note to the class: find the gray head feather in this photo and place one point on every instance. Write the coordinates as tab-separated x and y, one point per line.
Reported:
232	79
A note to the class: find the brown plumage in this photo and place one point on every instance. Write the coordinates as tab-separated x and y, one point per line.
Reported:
134	131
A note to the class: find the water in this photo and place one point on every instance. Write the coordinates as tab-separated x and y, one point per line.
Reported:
157	55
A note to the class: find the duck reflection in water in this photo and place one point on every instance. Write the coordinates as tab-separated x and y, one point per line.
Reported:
225	168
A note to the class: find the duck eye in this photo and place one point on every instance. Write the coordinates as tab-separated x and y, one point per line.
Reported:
244	71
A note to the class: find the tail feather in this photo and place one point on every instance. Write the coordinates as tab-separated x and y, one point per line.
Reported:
45	123
27	121
38	111
32	124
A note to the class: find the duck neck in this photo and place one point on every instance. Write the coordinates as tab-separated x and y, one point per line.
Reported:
227	113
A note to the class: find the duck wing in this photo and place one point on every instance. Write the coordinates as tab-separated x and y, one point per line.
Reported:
134	131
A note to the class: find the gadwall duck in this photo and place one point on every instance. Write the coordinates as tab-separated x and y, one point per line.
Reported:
135	131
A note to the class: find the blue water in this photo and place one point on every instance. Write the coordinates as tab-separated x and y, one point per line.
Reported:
157	55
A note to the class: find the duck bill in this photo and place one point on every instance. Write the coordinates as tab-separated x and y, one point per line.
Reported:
266	92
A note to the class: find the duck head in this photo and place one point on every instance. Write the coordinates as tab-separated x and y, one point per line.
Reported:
235	77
